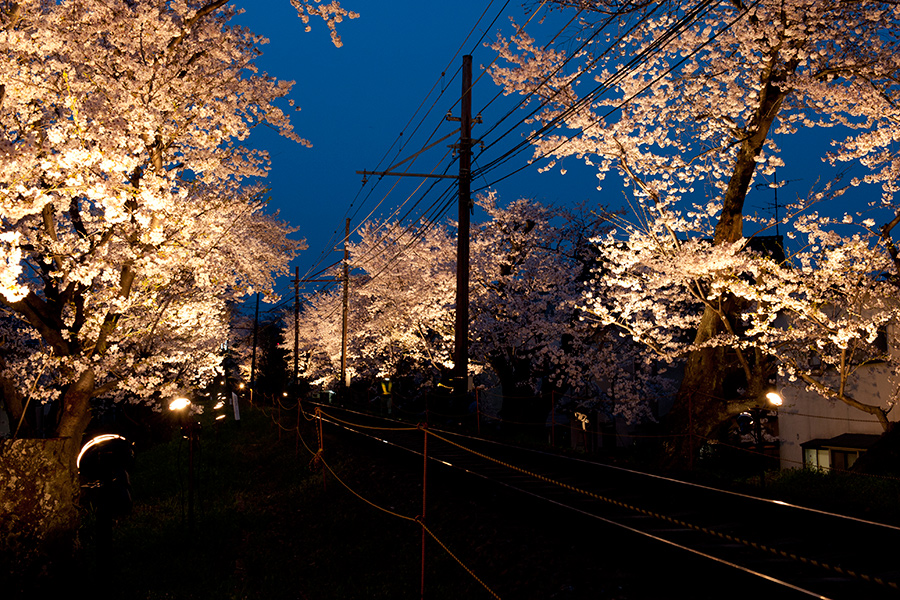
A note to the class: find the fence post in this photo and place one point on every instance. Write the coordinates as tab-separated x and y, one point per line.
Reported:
321	448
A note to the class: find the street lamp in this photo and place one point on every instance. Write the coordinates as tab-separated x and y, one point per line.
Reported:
775	400
242	386
180	405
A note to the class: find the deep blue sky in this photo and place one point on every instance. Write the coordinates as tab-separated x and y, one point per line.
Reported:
357	99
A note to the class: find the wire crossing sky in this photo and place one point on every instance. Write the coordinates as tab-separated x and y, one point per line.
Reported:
384	97
378	100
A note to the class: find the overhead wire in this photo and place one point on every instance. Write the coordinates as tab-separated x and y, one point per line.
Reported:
478	43
334	240
633	65
481	170
640	59
494	164
571	56
425	224
442	204
498	54
396	211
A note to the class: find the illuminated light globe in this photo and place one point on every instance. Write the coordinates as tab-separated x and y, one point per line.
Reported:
774	398
179	404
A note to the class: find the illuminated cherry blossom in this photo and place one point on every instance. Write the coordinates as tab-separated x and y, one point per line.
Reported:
689	106
131	220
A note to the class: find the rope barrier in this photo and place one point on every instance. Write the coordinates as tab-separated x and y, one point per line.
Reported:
681	523
454	557
375	427
318	458
630	436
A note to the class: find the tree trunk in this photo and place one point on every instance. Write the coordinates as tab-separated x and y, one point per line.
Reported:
39	491
700	404
38	506
699	407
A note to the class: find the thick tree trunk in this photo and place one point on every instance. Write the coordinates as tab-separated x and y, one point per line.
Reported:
39	491
700	405
38	506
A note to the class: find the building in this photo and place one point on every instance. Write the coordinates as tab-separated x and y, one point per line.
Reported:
822	433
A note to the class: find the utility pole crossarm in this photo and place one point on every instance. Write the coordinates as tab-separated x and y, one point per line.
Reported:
384	173
390	170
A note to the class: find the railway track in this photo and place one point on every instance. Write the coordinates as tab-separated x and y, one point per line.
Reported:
784	551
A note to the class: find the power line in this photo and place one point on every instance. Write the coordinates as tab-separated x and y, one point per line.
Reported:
632	66
406	141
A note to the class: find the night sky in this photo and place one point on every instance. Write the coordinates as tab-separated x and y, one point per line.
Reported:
383	96
397	59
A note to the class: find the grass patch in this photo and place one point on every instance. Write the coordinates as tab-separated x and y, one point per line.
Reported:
866	496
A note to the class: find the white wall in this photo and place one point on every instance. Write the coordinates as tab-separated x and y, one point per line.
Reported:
806	416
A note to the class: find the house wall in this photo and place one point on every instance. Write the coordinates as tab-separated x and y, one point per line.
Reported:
805	415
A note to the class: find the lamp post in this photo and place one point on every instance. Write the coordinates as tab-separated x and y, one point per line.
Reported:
242	386
181	405
775	400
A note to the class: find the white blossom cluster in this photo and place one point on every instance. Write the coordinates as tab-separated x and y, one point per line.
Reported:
690	110
128	224
526	263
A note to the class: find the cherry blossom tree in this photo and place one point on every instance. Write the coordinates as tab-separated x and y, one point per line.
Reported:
528	265
401	296
688	104
528	268
127	223
813	316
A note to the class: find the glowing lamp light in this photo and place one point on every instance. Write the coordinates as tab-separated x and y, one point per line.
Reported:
774	398
179	404
94	441
220	417
219	404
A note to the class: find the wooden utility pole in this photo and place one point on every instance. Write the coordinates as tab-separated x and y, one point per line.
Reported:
345	382
461	332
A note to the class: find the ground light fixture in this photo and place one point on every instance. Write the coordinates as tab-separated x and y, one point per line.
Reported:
94	442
